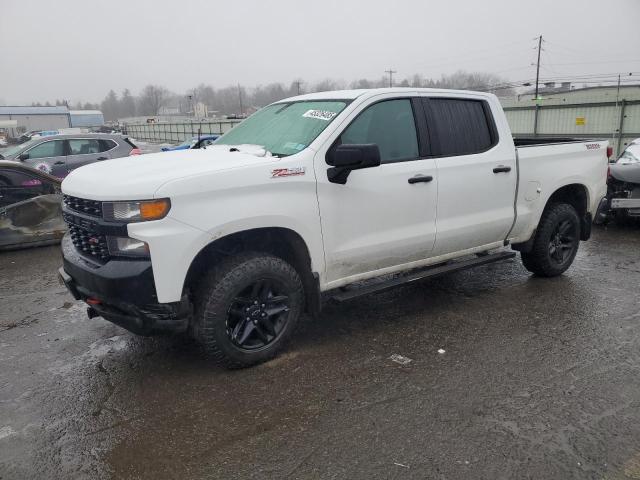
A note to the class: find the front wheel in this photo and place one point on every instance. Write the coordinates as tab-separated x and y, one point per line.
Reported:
556	241
247	308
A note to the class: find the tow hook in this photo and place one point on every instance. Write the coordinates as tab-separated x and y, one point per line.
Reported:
91	313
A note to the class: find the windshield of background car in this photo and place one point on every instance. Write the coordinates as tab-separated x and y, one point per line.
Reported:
630	155
285	128
13	151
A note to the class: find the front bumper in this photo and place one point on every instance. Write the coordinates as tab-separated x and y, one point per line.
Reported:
123	292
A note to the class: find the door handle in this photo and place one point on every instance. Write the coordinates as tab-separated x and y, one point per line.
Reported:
102	158
59	163
501	169
420	179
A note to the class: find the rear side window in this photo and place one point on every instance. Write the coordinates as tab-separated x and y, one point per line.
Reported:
84	146
106	145
459	126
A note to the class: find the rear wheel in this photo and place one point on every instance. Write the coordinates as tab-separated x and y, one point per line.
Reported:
247	309
556	241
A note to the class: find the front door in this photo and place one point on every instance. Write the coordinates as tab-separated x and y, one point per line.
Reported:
48	156
379	218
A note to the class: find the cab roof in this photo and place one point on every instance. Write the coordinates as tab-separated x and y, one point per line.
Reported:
353	94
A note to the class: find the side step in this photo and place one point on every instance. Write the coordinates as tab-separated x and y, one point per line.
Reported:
428	272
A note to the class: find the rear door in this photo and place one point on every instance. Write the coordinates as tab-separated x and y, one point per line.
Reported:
476	173
83	151
381	217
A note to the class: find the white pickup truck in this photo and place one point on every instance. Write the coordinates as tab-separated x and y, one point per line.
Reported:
312	194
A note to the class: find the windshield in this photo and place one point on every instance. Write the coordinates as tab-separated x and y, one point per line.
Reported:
190	142
630	155
285	128
13	151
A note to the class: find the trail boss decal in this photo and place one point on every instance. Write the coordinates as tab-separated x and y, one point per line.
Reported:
287	172
319	114
592	146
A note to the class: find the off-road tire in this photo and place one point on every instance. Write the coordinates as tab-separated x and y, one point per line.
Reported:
216	292
539	260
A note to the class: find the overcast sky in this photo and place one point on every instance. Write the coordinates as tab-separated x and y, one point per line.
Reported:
79	49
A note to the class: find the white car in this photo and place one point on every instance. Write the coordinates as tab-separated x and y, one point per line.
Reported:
234	242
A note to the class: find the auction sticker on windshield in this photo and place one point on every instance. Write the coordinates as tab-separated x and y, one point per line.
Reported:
319	114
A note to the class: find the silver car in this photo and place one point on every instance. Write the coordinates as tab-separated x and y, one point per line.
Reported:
58	155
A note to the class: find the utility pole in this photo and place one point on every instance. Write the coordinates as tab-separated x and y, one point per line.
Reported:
535	119
240	99
538	66
390	72
617	98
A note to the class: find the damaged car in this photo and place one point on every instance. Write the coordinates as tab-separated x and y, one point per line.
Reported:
623	187
30	207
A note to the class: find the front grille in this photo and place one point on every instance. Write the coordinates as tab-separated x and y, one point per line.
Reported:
82	205
90	244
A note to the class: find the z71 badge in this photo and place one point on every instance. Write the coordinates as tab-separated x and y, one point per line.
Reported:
287	172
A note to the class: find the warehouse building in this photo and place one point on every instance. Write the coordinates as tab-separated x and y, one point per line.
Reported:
35	118
86	118
21	119
606	112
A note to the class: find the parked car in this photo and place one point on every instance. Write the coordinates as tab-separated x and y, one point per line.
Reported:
60	154
327	193
30	207
195	142
623	192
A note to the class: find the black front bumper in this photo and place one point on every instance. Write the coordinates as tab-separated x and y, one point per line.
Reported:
123	292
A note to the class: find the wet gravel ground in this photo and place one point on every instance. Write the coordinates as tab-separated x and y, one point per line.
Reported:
539	379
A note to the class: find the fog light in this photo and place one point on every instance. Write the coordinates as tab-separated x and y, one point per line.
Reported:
128	247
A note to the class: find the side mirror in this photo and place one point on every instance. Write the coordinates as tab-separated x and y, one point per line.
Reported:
345	158
23	156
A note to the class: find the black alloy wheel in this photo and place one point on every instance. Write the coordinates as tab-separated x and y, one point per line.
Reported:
562	242
258	315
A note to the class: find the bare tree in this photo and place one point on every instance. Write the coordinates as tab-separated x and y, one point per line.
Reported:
127	104
473	81
151	99
361	83
110	106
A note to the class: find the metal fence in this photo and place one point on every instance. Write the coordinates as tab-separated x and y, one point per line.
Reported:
617	122
166	132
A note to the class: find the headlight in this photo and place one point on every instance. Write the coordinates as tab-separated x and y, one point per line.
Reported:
127	247
138	211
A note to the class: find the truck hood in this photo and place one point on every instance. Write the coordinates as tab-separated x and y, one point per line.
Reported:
139	177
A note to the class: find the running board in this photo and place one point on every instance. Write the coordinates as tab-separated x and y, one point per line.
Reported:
428	272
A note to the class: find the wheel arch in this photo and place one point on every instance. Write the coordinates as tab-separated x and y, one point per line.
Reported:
576	195
281	242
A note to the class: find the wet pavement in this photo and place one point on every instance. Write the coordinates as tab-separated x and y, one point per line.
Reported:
539	379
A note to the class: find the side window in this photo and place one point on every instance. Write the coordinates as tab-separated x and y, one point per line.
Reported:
106	145
83	146
388	124
54	148
460	126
